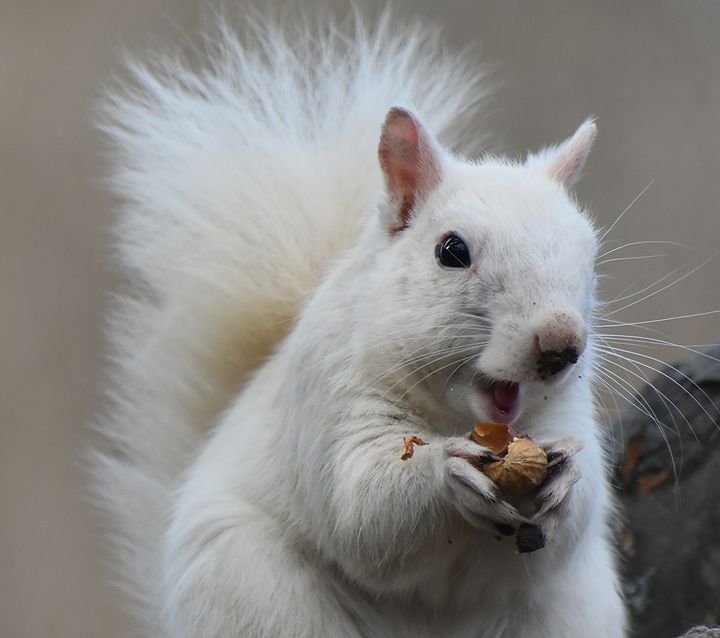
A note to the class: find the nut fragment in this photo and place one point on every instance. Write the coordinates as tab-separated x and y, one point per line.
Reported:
494	436
522	471
409	444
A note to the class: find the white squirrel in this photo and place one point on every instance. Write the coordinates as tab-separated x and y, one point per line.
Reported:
297	307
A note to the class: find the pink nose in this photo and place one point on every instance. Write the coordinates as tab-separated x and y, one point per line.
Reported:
559	342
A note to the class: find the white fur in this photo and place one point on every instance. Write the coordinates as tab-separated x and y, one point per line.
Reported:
294	516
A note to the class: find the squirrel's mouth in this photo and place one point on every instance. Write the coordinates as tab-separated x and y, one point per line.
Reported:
501	399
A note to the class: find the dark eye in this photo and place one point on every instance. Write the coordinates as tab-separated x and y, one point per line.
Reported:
453	252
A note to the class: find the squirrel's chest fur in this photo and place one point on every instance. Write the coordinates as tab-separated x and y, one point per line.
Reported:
275	458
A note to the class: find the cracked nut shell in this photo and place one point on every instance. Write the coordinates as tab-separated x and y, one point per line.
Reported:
494	436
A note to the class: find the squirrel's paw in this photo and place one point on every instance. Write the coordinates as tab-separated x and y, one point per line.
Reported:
552	502
556	488
476	497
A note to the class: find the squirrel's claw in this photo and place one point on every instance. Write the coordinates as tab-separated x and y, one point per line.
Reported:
561	449
465	448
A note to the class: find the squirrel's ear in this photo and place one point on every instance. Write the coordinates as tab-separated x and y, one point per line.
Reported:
565	162
411	162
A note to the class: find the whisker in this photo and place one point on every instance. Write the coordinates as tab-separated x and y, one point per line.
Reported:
639	243
663	397
611	324
648	321
652	294
450	376
638	402
629	206
598	396
648	342
433	357
677	383
427	376
447	337
628	393
623	296
404	363
633	398
642	377
635	258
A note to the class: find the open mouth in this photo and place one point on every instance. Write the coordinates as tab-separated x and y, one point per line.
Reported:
502	399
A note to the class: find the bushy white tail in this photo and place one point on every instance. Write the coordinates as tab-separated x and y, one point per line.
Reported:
241	182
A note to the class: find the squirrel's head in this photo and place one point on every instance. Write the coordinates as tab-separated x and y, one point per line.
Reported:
482	292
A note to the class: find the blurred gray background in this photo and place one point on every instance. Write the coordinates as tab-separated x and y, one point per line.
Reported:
649	70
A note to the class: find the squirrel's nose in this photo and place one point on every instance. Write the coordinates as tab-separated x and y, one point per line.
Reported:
559	343
550	363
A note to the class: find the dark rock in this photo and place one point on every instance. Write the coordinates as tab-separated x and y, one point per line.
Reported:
668	483
702	632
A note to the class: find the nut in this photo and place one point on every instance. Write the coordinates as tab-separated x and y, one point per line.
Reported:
523	469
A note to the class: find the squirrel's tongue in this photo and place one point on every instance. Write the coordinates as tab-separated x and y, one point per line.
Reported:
505	396
501	400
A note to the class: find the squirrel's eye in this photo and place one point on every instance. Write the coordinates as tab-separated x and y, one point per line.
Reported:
453	253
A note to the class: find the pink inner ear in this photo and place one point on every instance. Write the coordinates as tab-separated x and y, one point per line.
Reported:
409	159
568	167
567	160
